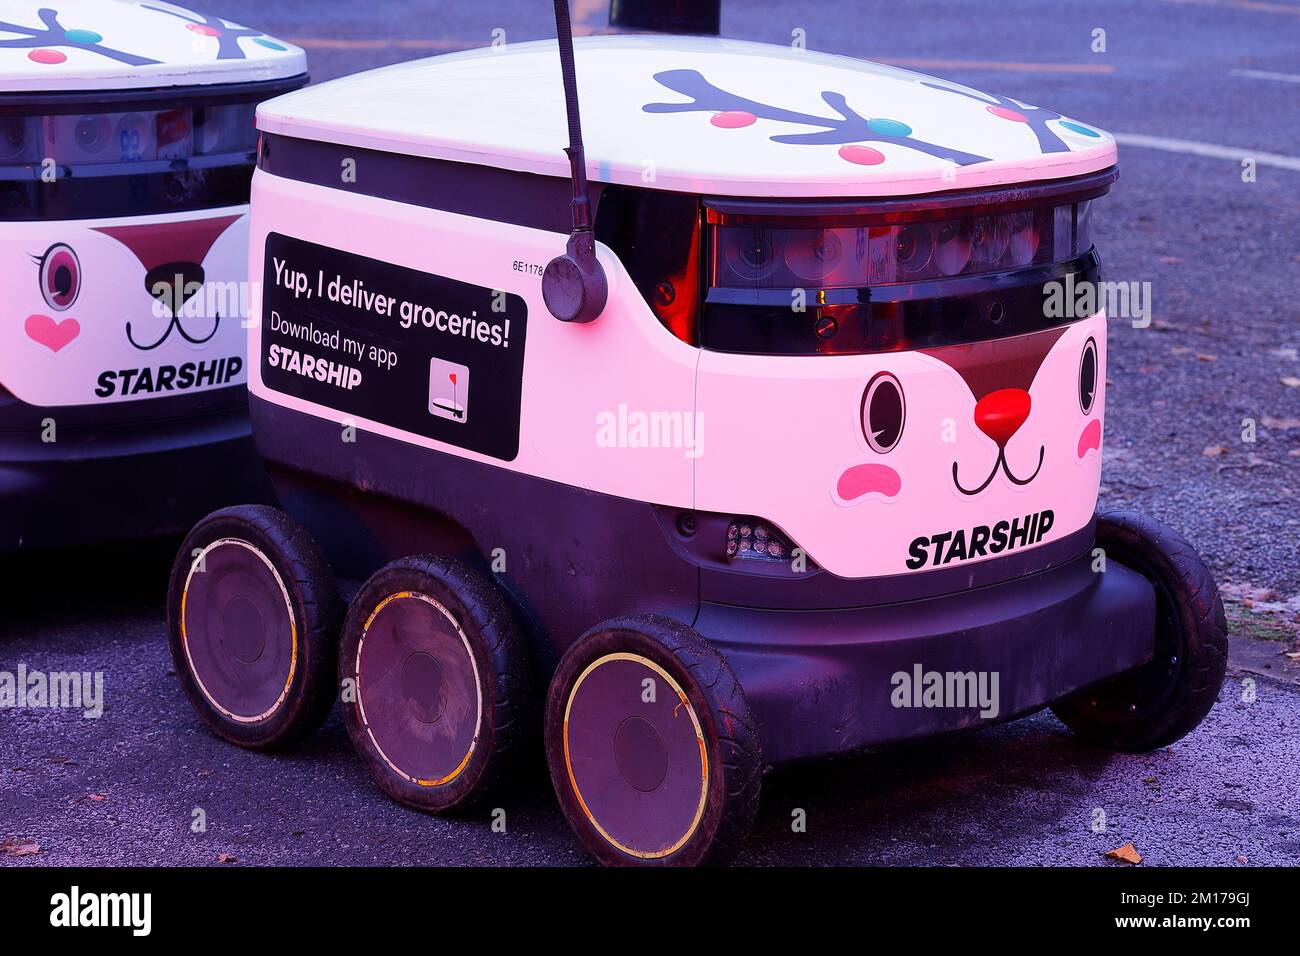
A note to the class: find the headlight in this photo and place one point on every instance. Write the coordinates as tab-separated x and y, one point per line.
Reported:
753	539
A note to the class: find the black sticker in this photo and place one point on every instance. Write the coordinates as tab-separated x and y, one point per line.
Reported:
416	351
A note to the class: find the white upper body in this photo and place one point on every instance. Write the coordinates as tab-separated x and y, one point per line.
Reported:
124	44
702	115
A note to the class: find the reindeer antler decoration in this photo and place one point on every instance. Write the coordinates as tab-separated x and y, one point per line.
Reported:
846	127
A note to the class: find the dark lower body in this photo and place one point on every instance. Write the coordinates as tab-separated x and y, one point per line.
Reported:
74	475
671	677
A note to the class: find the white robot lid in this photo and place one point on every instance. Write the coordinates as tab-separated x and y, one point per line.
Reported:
60	45
700	115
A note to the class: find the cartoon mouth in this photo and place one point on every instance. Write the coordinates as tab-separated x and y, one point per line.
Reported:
176	324
1090	438
860	480
1001	463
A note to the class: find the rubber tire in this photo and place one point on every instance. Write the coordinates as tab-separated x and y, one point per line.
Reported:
317	609
1189	623
499	652
736	762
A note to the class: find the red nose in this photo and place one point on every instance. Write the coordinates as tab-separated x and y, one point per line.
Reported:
1000	414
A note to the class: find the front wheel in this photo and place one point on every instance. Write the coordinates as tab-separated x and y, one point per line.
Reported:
1166	698
652	749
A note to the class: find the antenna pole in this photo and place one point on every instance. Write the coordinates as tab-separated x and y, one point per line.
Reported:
576	153
574	285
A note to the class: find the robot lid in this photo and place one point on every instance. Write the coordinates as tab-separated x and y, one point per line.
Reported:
699	115
60	45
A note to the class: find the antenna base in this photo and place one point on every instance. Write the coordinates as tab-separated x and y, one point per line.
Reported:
574	286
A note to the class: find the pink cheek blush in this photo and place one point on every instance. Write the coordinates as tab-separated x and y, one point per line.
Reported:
1091	437
864	479
733	119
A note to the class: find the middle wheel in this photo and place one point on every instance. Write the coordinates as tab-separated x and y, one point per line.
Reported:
437	679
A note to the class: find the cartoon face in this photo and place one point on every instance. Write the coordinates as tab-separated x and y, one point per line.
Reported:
118	310
918	460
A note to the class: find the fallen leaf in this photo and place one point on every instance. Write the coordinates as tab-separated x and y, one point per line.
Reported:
227	858
20	848
1281	422
97	797
1242	860
1206	357
1291	382
1127	853
1181	350
1213	451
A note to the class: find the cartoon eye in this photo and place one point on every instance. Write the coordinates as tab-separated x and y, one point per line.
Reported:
60	277
1088	376
883	412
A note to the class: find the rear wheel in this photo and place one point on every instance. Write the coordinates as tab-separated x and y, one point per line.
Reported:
1166	698
253	615
651	746
434	682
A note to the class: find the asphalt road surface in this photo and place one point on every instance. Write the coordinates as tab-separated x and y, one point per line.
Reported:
1194	86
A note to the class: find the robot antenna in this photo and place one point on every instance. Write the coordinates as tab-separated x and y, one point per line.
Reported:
574	285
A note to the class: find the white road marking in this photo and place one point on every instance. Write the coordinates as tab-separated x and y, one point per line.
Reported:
1207	149
1267	75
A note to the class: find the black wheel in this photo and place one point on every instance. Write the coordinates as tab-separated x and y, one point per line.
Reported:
651	746
1165	699
252	618
434	682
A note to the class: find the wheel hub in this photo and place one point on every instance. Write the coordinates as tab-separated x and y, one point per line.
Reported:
636	755
640	754
238	630
418	688
422	686
245	631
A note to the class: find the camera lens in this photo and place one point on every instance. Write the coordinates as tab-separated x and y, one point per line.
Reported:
91	133
1024	238
812	254
989	239
751	255
13	137
952	254
913	248
756	252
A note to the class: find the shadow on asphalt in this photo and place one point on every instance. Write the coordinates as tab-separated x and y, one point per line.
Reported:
78	585
950	801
